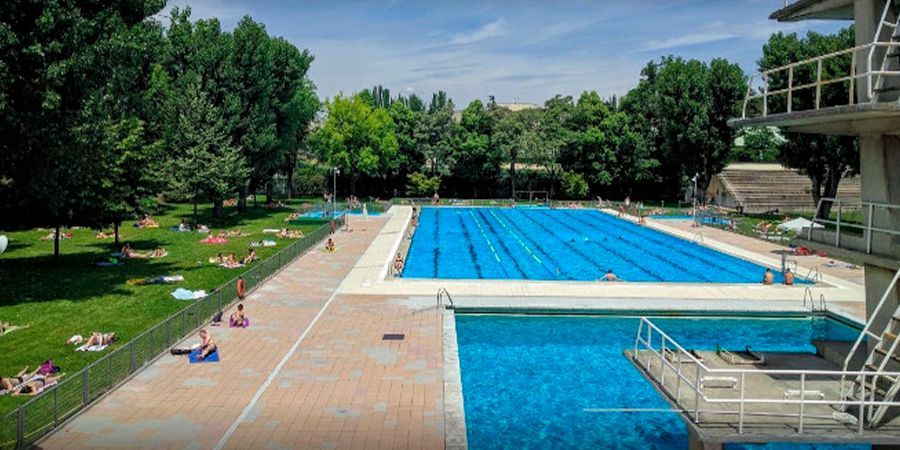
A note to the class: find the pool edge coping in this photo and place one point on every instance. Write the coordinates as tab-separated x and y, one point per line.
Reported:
454	409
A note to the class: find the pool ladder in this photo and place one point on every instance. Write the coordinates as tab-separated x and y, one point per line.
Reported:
441	293
810	301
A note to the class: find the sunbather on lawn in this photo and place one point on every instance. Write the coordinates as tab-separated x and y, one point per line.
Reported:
6	327
11	383
38	384
98	338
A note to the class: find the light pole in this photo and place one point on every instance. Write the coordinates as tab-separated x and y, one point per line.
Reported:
696	175
335	172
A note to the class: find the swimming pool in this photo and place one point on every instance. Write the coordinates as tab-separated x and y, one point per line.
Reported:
527	380
545	244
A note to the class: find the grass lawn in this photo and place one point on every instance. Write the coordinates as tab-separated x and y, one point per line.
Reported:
74	296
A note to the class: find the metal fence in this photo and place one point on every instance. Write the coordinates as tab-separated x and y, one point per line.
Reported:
37	417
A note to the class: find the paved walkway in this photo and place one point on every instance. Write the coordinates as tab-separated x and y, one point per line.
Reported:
173	404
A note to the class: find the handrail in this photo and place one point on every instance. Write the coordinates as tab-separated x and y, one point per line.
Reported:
654	351
440	298
866	331
809	274
868	228
854	74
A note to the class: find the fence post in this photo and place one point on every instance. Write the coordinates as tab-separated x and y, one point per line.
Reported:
133	363
168	332
837	235
869	229
20	428
55	407
110	370
86	384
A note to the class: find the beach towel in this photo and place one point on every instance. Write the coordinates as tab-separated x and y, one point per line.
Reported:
93	348
231	266
213	240
162	279
194	356
271	230
185	294
264	243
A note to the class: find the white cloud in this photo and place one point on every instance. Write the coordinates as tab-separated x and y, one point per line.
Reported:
493	29
688	39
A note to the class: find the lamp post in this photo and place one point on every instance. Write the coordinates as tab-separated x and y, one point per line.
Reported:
335	172
696	175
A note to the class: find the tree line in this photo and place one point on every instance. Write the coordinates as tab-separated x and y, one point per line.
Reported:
105	107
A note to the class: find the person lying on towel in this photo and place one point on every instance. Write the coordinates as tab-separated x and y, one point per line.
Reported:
10	384
38	384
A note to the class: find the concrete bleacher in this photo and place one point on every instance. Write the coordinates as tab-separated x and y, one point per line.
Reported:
762	187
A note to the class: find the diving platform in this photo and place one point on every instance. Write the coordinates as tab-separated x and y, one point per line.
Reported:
750	397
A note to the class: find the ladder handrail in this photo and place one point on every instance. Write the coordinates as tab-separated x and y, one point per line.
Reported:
809	274
440	297
866	330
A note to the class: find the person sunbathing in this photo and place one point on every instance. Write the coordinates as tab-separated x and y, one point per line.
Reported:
202	228
251	256
102	235
329	246
158	253
38	384
237	317
147	222
128	252
6	327
236	233
207	344
183	226
11	383
101	339
398	263
218	259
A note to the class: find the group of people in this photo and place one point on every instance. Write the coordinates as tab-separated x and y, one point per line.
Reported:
30	383
231	261
769	277
185	227
353	202
146	222
290	234
128	252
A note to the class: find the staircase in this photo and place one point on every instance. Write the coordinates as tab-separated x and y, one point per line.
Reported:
883	357
887	88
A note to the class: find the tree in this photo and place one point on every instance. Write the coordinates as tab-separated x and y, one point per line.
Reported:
824	159
475	157
357	138
683	108
409	156
434	134
208	165
758	144
57	59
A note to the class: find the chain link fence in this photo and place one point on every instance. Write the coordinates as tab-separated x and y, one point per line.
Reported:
22	428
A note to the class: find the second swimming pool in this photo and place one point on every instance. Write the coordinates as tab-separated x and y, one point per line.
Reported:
545	244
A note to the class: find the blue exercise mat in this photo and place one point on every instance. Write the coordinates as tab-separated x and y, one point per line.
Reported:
193	357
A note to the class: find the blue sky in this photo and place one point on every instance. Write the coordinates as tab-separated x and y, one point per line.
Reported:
523	50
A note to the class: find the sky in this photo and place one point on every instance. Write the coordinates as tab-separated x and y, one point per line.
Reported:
525	51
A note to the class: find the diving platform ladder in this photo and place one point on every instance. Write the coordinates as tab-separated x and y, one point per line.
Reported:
884	356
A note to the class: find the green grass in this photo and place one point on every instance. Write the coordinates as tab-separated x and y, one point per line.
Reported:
72	296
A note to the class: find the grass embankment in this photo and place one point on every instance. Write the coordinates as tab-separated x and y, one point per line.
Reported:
73	296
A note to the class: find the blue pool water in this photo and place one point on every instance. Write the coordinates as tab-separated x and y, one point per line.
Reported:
325	215
544	244
527	379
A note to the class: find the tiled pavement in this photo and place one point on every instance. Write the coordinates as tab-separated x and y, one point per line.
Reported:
342	387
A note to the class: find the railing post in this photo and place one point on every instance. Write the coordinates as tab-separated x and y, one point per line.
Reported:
20	428
790	92
862	401
678	381
86	385
802	396
662	363
110	372
55	407
765	80
869	228
837	236
852	77
741	413
818	82
133	362
697	395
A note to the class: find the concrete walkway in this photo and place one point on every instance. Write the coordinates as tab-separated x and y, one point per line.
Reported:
173	404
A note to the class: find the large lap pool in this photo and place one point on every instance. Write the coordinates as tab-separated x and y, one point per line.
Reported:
527	380
544	244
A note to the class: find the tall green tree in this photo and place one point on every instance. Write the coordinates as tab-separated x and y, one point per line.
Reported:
824	159
357	138
434	137
476	158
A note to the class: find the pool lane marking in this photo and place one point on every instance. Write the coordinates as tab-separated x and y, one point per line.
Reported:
501	245
472	255
484	235
517	225
500	221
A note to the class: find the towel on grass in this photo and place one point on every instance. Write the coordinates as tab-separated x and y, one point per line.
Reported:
162	279
93	348
271	230
194	357
186	294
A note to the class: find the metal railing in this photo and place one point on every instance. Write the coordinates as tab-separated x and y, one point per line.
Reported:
867	330
869	72
661	356
441	293
37	417
868	228
809	301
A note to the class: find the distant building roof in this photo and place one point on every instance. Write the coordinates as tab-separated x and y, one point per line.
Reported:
516	106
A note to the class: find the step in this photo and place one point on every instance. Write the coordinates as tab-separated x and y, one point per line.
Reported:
881	90
875	368
884	353
868	388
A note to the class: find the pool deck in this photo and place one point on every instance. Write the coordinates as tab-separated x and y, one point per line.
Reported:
313	370
842	293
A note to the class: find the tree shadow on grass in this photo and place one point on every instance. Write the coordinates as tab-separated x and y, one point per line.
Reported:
75	276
